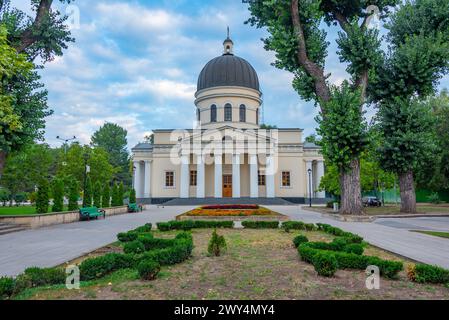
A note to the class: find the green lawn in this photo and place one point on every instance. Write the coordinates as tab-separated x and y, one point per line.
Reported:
434	233
22	210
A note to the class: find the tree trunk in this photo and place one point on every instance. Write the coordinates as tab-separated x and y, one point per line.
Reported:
351	195
408	196
2	161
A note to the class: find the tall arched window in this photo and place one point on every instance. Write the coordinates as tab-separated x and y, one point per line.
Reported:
242	113
228	112
213	113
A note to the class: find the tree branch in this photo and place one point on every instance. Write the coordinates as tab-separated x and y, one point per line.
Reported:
28	38
312	69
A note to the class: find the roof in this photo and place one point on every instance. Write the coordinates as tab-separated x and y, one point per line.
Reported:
228	70
311	145
144	146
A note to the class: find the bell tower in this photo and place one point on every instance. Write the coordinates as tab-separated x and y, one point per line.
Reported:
228	46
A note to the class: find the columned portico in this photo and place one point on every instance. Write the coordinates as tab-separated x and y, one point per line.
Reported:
147	181
137	179
184	184
218	176
200	186
253	167
236	176
270	171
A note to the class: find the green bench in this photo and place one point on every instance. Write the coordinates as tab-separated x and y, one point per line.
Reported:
88	213
134	207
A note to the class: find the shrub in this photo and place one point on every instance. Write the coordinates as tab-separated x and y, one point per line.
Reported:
325	264
355	248
260	224
6	287
127	236
298	240
58	195
42	197
97	194
434	198
148	269
73	195
425	273
216	244
411	272
121	194
132	196
87	196
94	268
134	247
193	224
145	228
45	276
106	196
293	225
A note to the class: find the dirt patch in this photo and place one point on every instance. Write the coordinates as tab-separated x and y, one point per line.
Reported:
259	264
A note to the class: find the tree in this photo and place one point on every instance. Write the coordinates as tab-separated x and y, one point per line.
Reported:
73	195
97	194
132	196
58	195
5	195
42	198
121	194
112	138
106	196
419	56
301	48
267	126
87	196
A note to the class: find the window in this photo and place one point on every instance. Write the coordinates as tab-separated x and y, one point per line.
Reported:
169	179
227	112
257	116
213	113
198	117
242	113
261	178
193	177
286	178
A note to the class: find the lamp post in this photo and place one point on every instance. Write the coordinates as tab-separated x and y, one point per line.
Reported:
133	177
86	170
309	171
66	141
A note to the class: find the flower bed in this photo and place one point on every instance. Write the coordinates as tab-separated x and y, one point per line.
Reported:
232	206
230	210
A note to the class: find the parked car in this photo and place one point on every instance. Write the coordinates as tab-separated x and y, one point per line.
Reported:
371	202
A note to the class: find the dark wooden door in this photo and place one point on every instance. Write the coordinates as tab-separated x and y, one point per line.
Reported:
227	186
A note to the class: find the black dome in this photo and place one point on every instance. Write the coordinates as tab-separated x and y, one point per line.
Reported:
228	70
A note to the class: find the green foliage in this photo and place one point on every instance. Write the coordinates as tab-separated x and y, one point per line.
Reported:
121	194
355	248
425	273
216	244
87	196
58	195
5	195
298	240
134	247
325	264
434	198
97	194
73	195
132	196
106	196
127	236
6	287
115	196
20	197
343	128
98	267
45	276
193	224
260	224
112	138
148	269
297	225
42	198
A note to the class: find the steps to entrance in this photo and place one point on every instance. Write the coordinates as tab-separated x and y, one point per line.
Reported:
6	228
206	201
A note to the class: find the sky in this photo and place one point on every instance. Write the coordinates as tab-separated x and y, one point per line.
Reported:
136	63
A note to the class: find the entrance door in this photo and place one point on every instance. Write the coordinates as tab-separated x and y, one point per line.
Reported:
227	186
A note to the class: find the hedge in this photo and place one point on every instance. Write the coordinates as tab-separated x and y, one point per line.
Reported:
424	273
193	224
298	225
298	240
260	224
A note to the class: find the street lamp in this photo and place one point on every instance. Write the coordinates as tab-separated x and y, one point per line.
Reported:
133	178
66	141
309	171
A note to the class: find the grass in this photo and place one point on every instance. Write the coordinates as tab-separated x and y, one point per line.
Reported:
258	264
21	210
434	233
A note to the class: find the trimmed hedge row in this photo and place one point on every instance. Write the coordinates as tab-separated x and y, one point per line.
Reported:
249	224
133	234
339	232
193	224
424	273
298	225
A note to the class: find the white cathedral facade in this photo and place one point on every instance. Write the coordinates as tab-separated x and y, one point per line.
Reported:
227	157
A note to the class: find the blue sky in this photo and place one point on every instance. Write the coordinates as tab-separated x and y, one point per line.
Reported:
136	63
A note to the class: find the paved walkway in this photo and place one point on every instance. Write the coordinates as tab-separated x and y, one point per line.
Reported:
57	244
391	234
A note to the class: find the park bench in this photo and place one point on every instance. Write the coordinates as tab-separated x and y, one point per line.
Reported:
134	207
88	213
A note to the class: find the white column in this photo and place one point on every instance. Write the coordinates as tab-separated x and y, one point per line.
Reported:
236	176
200	177
320	174
184	183
218	178
137	179
309	183
254	185
269	177
147	181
